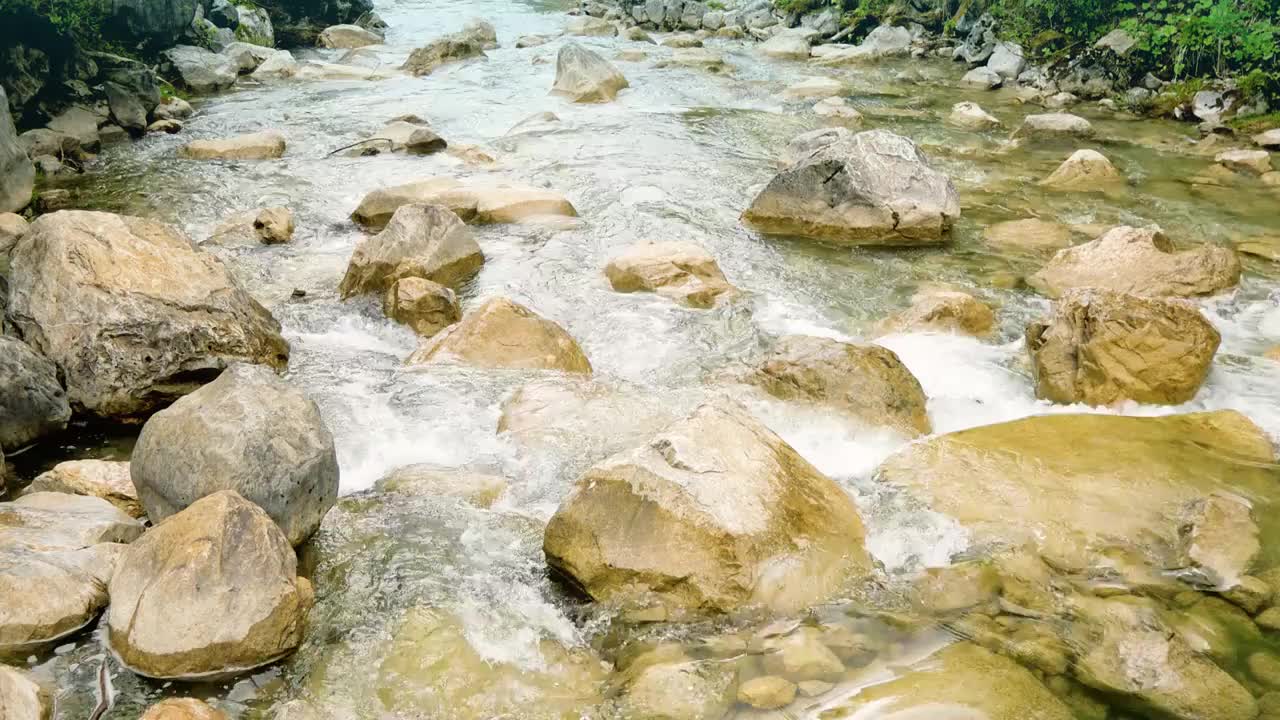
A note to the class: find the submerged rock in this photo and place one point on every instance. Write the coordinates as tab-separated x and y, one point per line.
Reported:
814	88
132	314
1029	234
479	489
868	382
423	305
248	431
838	109
1102	347
32	402
346	37
582	75
871	188
477	204
1139	261
504	334
1051	125
106	479
713	514
768	692
421	240
971	116
681	271
1085	171
211	592
670	686
262	145
948	311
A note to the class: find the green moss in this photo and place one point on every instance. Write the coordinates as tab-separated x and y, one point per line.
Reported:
1256	123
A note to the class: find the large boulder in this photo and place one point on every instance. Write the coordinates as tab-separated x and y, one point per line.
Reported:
106	479
422	240
941	310
17	174
476	204
582	75
450	48
346	37
133	315
248	431
32	402
401	136
789	44
1054	125
211	592
714	514
1085	171
1101	347
679	270
884	41
1139	261
504	334
867	382
199	70
871	188
22	697
126	108
261	145
247	57
1073	486
427	307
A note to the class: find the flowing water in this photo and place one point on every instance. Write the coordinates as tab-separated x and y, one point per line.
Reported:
677	157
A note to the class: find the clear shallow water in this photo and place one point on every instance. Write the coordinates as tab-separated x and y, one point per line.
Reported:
677	157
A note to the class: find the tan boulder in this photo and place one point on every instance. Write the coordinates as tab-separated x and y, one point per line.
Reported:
210	592
682	271
1029	234
274	225
401	136
792	44
681	40
504	334
1248	162
423	305
949	311
421	241
666	685
450	48
1101	347
62	521
583	75
12	227
477	488
1054	482
801	656
264	145
704	59
767	692
1085	171
588	26
814	88
107	479
345	37
868	382
659	524
1140	261
971	116
183	709
480	204
131	312
1054	125
22	698
594	418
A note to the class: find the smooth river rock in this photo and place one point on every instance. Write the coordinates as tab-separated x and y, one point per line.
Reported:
248	431
1085	171
263	145
1101	347
713	514
32	402
475	204
682	271
131	312
346	37
947	311
200	70
21	697
871	188
106	479
504	334
210	592
584	76
427	307
421	240
1139	261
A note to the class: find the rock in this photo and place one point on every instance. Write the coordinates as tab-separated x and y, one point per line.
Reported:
199	70
148	23
17	174
682	41
211	592
676	688
836	108
278	64
482	31
814	88
1248	162
182	709
882	42
1219	538
1129	653
1007	61
450	48
962	680
1085	171
658	522
1030	234
806	145
504	334
948	311
22	698
1269	619
1268	140
12	228
274	225
530	41
768	692
126	108
1117	41
169	127
587	26
1102	347
970	116
592	419
80	123
479	489
43	141
1051	481
423	305
583	75
982	78
475	204
681	271
247	56
104	479
867	382
346	37
133	315
1054	125
314	70
637	34
422	240
1139	261
872	188
32	402
788	44
263	145
698	59
1266	247
248	431
801	656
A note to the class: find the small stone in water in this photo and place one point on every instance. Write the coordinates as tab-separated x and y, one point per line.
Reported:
767	693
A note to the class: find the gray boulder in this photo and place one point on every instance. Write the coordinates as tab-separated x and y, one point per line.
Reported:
979	44
126	109
248	431
582	75
200	70
32	403
255	26
17	174
1007	60
152	22
246	56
